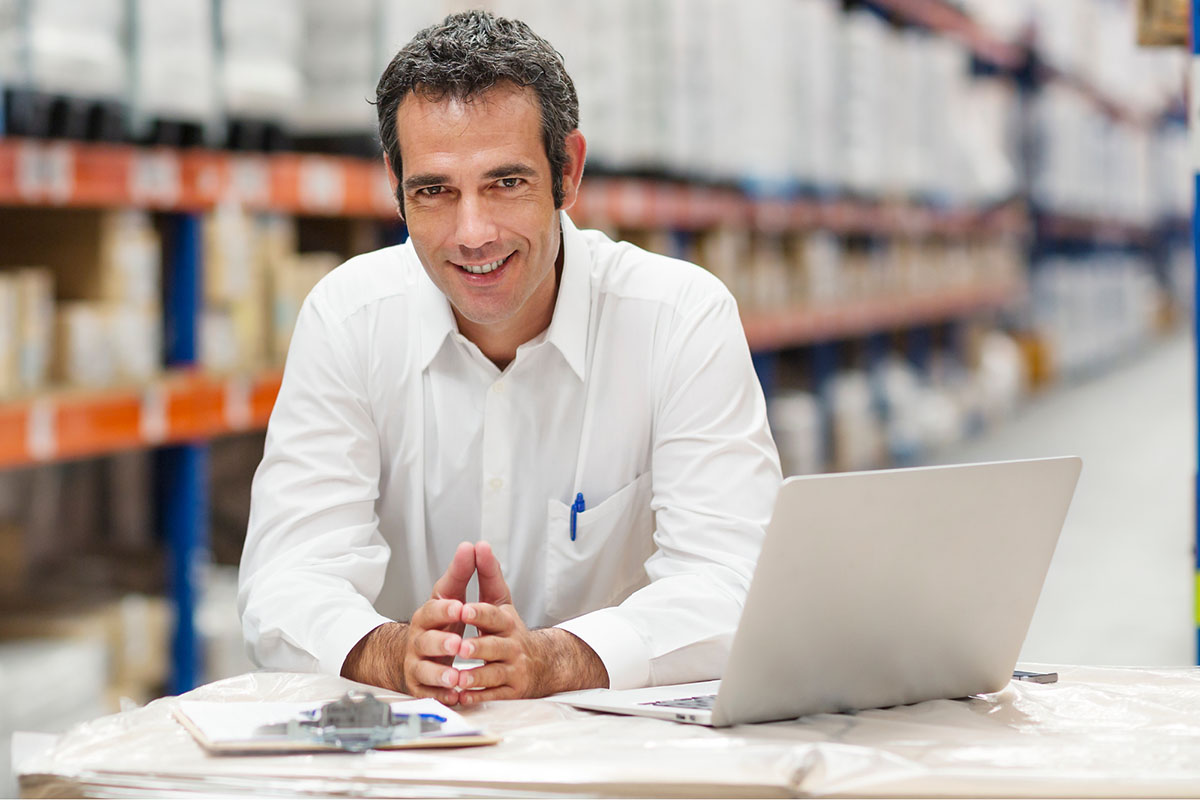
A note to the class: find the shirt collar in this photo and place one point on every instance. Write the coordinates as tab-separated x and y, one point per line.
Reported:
569	326
436	316
572	309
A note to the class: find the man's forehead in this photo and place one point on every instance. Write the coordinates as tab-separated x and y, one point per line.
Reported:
503	96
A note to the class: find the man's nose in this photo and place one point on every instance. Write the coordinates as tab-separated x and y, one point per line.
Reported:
476	226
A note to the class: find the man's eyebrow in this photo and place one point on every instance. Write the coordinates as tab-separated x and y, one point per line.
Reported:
425	179
513	170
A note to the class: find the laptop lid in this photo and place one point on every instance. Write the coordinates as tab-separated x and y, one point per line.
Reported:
890	587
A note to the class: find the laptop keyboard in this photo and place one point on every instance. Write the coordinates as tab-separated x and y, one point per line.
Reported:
704	701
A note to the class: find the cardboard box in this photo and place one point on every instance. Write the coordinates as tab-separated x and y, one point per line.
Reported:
114	256
9	334
35	326
1163	23
84	352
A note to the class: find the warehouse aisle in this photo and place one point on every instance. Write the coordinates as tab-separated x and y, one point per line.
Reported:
1120	587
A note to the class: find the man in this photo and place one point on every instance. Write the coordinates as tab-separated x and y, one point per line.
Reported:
580	417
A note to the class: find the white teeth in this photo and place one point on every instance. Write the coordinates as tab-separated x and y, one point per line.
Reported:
483	269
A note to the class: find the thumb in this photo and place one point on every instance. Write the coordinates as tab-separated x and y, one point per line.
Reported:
453	583
492	586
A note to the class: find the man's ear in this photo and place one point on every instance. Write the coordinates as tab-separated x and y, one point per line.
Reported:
394	184
573	169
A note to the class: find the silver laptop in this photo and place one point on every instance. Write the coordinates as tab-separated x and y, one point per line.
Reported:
879	589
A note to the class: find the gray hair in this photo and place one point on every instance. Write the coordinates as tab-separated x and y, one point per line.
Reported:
467	54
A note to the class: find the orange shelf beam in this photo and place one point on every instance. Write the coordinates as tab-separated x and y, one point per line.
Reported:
181	407
59	173
647	204
771	330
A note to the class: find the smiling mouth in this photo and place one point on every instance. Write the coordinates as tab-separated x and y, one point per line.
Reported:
484	269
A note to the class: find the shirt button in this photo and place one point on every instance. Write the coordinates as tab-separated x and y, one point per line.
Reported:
496	483
498	387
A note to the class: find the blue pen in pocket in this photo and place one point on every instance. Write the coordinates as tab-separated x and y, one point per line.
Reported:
576	508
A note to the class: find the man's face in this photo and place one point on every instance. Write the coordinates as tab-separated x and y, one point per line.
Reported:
479	207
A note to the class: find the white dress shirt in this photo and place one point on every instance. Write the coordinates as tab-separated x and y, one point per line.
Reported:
394	438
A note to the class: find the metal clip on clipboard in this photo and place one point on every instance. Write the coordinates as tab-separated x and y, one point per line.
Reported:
355	723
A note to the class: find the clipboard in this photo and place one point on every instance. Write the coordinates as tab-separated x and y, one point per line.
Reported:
282	728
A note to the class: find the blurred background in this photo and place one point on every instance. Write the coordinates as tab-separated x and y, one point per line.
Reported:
957	230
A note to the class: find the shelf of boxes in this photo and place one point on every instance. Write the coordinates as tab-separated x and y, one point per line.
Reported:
1013	54
182	406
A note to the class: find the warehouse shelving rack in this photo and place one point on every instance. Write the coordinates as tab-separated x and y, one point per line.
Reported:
185	408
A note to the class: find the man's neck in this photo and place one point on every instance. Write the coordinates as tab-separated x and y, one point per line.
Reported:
499	342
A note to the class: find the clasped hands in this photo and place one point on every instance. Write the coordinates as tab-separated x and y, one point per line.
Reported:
518	662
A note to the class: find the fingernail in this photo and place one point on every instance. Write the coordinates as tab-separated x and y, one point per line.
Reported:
468	613
465	680
467	649
448	678
451	646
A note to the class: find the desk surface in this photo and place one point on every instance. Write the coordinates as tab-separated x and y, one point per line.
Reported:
1098	732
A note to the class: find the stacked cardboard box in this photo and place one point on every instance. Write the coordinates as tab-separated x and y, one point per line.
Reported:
106	272
26	329
233	322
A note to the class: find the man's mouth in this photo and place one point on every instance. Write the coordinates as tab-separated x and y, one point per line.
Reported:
484	269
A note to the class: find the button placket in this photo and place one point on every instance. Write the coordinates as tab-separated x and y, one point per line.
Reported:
496	500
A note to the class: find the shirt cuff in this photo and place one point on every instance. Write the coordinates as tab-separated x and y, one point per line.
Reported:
620	647
352	627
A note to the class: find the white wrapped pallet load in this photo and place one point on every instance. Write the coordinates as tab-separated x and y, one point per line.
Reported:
595	71
174	62
1001	375
76	48
723	43
260	58
861	121
688	83
339	68
818	147
12	43
898	388
987	128
857	433
796	426
910	167
950	78
399	22
1171	196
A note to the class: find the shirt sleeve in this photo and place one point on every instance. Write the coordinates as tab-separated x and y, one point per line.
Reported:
715	478
314	560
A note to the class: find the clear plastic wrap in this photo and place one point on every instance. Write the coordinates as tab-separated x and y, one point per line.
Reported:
1098	732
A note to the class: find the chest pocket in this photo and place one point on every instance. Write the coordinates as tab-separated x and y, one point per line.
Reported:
604	564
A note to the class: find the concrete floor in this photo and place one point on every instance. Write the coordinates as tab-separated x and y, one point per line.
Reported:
1120	588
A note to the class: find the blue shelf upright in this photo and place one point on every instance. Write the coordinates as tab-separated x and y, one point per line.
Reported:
183	469
1194	131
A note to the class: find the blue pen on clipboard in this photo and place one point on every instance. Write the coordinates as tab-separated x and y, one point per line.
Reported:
577	508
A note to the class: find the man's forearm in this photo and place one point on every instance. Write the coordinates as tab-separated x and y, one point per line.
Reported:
378	658
566	663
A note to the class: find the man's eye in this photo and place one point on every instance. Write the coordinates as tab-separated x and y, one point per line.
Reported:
430	191
510	183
